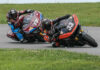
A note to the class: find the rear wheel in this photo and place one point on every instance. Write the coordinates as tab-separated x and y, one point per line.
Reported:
89	39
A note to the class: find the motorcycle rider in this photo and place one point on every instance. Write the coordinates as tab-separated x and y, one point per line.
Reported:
51	32
14	19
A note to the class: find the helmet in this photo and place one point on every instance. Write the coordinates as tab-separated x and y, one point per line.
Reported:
46	24
13	14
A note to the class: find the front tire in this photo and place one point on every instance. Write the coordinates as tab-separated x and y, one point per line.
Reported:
89	39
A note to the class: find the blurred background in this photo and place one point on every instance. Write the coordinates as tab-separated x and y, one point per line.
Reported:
45	1
88	11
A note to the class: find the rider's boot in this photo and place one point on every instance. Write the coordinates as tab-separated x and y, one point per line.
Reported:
56	44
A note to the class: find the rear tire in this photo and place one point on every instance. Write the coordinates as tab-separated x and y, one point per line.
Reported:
89	39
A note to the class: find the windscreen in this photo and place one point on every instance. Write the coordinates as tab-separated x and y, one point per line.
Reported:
27	19
66	25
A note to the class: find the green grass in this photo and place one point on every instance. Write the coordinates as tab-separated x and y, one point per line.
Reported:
22	59
88	13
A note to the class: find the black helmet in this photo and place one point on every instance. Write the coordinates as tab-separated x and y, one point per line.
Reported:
13	14
46	24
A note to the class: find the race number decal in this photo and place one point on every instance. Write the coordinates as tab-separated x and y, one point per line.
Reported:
70	26
36	22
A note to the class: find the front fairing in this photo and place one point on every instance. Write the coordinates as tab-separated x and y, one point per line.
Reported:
32	22
68	26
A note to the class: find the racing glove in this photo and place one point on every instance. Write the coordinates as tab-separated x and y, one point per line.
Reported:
29	11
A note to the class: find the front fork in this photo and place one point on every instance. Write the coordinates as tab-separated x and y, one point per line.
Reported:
79	40
77	37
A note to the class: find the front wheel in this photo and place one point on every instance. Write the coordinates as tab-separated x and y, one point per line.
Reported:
89	39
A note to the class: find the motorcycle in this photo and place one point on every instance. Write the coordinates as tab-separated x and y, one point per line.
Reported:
71	33
30	29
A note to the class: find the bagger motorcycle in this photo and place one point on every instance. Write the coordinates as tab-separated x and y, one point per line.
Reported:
31	22
71	33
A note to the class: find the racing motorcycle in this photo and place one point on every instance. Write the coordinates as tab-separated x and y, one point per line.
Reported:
31	22
71	33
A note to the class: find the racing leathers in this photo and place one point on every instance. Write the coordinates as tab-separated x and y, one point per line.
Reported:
52	34
16	25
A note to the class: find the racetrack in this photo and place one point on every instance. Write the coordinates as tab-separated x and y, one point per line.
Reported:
8	43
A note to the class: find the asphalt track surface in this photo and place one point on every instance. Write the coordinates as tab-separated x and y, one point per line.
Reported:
8	43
